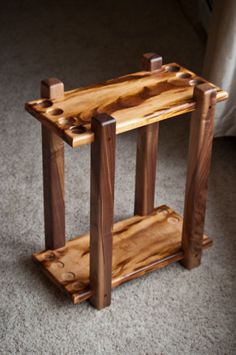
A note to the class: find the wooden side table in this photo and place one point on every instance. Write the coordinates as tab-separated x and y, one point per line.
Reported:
88	266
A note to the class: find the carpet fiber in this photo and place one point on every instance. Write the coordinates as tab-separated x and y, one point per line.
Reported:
170	311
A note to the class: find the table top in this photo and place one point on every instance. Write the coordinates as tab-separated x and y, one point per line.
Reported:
134	100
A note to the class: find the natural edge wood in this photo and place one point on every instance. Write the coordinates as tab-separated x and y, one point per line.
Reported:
141	244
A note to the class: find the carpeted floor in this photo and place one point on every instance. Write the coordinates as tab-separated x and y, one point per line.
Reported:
171	311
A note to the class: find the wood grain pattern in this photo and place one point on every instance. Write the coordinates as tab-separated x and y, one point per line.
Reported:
140	244
134	100
53	174
199	158
101	209
146	155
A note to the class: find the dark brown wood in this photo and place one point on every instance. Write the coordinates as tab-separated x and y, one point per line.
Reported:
53	174
146	156
89	266
101	208
151	61
52	88
199	158
147	140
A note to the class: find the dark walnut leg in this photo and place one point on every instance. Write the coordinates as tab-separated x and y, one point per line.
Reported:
199	158
53	174
146	156
101	209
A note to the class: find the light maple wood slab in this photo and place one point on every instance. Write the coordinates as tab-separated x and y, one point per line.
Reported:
134	100
140	244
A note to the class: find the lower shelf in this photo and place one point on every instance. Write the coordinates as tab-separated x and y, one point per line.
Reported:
140	244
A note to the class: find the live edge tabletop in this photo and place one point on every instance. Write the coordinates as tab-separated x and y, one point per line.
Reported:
134	100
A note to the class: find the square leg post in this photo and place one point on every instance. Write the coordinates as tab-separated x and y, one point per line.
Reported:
146	156
101	209
199	158
53	174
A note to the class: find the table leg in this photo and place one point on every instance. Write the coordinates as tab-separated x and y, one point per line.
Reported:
146	156
199	158
53	174
101	209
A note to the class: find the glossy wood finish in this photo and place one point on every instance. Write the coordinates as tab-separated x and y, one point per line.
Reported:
146	155
199	157
89	266
134	100
101	208
140	244
53	174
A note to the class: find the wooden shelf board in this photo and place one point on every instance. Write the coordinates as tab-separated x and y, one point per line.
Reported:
134	100
140	244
